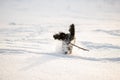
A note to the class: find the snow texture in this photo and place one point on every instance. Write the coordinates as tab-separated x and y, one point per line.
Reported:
29	52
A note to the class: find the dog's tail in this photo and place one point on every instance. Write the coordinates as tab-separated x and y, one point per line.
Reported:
72	31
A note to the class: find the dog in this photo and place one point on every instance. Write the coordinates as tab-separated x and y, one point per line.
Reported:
67	39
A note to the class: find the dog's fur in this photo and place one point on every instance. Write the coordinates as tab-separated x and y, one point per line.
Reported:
66	38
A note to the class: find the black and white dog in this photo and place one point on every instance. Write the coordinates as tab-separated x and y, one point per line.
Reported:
67	39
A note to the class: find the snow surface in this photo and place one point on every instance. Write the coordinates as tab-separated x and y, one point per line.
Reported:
29	52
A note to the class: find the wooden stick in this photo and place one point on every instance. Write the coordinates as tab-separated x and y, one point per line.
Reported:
79	47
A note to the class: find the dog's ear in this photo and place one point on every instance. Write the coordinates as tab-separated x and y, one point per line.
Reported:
62	35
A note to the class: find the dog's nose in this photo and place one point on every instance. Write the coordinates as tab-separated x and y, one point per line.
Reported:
54	37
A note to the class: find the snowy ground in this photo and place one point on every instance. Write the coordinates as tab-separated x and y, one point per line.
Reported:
29	52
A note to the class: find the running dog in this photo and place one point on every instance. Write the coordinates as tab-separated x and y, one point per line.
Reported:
67	39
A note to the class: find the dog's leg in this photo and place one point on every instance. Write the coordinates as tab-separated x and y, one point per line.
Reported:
70	47
64	47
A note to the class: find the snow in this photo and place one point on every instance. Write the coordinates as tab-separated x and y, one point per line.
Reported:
29	52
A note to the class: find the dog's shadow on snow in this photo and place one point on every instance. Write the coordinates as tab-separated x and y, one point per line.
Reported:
47	57
42	58
80	57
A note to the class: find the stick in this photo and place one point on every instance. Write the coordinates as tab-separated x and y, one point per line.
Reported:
79	47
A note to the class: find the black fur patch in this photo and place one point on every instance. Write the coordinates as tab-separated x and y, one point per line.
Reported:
63	36
60	36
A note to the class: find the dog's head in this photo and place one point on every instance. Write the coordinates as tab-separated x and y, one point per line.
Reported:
64	36
60	36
